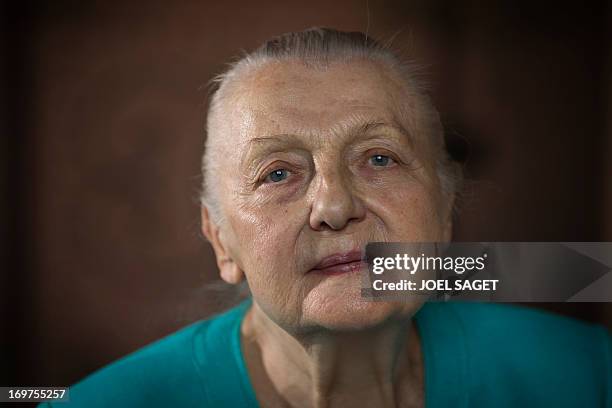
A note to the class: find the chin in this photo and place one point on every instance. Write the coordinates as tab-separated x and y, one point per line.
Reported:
347	311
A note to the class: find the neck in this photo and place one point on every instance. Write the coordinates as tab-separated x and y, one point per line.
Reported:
379	366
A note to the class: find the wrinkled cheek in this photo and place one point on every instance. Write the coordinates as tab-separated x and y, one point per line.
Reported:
412	216
256	240
265	251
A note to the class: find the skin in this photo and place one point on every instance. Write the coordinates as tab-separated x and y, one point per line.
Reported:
320	129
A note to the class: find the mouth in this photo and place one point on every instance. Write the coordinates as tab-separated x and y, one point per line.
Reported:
339	263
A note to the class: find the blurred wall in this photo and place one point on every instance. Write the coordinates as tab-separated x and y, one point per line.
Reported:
104	111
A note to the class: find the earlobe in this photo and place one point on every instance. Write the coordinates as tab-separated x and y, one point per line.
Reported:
228	269
230	272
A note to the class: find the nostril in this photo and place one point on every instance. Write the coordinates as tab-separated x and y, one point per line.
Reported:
334	206
338	220
325	226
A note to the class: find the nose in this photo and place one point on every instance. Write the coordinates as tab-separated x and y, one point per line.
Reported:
335	204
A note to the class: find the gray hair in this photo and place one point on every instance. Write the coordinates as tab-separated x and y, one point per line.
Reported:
318	47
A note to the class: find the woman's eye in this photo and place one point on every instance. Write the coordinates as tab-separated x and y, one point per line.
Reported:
380	160
277	175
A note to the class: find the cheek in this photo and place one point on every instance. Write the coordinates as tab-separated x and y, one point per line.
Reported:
269	245
408	211
267	237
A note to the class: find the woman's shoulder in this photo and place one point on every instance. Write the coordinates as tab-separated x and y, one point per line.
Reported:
526	325
543	335
172	371
518	351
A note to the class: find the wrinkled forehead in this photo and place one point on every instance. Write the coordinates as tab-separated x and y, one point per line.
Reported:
292	98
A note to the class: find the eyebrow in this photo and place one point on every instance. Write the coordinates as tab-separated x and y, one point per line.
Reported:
355	130
369	127
280	139
285	141
366	127
261	146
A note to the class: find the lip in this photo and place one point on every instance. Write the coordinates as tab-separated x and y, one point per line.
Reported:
339	263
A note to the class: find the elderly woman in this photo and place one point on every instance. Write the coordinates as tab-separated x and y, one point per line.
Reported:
319	142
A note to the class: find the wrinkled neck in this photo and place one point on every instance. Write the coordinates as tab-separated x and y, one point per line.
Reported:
379	366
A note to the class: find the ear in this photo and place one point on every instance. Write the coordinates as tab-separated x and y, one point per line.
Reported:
229	270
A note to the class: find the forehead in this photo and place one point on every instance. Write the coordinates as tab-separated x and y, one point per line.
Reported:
290	97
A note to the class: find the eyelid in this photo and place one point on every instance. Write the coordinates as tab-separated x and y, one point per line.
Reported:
294	158
383	152
399	152
268	168
390	157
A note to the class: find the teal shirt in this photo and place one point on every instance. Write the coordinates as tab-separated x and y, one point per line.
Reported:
475	355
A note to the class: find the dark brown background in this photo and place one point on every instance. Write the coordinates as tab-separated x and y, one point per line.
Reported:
102	116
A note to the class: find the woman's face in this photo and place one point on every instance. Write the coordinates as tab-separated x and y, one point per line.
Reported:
315	163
